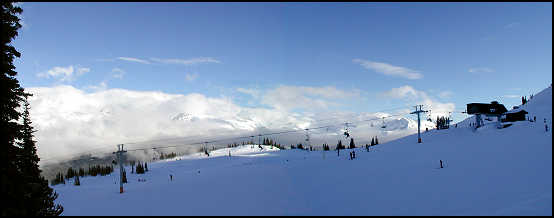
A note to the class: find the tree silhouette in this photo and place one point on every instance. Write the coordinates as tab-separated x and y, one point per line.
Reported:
352	145
24	191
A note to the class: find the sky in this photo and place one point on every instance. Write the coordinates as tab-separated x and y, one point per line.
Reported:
264	62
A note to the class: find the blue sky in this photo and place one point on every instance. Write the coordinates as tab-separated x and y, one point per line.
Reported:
448	52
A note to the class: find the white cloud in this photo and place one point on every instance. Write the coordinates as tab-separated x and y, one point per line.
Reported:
480	70
100	87
512	25
417	97
82	70
255	93
65	74
191	61
401	92
70	120
389	70
291	97
512	96
137	60
118	73
191	76
445	94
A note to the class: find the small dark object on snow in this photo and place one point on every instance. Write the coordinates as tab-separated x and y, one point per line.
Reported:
441	163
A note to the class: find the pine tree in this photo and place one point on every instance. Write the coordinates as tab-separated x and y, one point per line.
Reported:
372	141
81	172
352	145
145	167
140	168
39	197
14	190
339	145
77	182
376	140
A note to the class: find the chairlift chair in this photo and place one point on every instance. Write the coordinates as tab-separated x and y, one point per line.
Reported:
429	117
346	133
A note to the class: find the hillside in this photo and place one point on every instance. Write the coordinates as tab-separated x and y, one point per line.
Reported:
486	172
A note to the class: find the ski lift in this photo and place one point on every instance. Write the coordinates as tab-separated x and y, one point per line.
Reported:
308	144
429	117
383	125
346	133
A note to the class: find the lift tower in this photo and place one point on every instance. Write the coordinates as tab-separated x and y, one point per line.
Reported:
119	154
418	111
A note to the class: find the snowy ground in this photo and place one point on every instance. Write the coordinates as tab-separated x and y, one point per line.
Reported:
487	172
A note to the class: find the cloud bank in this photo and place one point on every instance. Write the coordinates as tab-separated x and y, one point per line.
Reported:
71	121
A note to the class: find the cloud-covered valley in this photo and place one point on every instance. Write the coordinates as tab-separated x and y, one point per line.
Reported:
70	121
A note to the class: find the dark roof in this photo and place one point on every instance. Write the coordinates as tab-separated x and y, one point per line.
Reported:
484	108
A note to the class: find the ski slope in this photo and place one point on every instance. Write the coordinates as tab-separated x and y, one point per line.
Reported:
489	171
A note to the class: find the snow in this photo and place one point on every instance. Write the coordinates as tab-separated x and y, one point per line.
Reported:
488	171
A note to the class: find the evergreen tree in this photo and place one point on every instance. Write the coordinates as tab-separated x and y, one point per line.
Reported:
145	167
140	168
339	145
77	182
372	141
376	140
14	190
39	197
352	145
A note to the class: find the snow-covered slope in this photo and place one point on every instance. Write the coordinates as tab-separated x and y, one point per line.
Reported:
486	172
540	106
